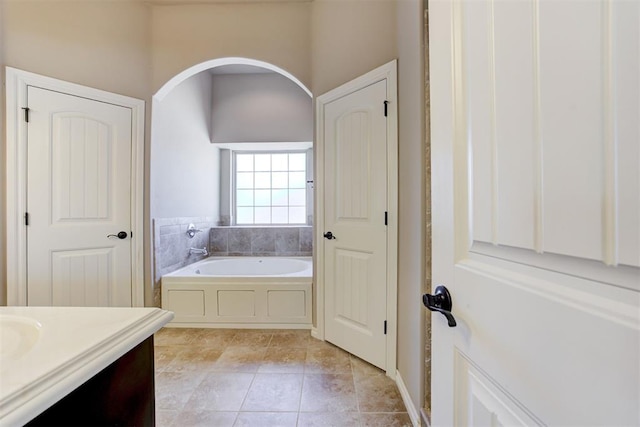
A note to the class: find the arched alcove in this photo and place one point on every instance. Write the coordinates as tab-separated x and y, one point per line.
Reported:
190	162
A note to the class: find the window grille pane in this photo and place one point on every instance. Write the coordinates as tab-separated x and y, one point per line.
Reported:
263	215
244	180
279	162
297	197
297	215
263	180
244	215
280	216
296	180
244	198
270	188
280	180
244	162
263	198
262	162
280	198
297	162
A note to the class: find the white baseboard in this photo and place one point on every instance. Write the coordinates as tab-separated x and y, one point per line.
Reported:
406	398
315	334
426	422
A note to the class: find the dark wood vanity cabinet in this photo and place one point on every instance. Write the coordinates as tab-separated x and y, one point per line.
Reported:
122	394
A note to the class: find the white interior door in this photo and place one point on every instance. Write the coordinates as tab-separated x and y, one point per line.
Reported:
536	211
78	193
355	201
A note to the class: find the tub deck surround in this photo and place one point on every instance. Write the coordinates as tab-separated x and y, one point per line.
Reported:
242	292
47	352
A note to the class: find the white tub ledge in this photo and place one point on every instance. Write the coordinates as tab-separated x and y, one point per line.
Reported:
47	352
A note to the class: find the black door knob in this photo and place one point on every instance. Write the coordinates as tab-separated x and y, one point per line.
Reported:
329	235
440	301
121	235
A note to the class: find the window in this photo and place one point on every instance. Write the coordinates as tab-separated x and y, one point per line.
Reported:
270	188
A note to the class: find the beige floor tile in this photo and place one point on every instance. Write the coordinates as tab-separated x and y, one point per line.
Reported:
331	419
283	360
214	338
386	420
266	419
274	392
165	418
291	339
327	360
175	336
206	419
224	377
378	393
173	389
361	368
240	359
252	338
315	343
194	359
220	392
164	355
328	393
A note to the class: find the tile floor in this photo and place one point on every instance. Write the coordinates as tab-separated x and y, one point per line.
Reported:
242	377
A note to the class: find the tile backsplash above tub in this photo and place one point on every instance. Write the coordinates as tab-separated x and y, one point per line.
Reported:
171	245
261	241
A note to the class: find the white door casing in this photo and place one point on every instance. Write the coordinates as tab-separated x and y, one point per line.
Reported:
17	88
78	181
536	211
356	182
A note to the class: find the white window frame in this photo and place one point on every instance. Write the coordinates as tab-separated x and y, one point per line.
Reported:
232	196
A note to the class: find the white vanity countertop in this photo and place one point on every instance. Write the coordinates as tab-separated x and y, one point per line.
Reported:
47	352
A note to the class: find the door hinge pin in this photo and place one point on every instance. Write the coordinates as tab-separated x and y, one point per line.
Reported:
386	218
26	218
26	114
385	107
385	327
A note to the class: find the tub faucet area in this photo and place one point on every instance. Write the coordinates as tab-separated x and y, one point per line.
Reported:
199	251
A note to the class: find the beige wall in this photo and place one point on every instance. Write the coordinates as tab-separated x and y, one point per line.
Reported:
3	239
411	182
98	44
104	45
349	38
187	35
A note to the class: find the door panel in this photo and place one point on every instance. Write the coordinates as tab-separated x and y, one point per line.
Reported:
80	177
79	181
533	195
355	201
351	293
82	278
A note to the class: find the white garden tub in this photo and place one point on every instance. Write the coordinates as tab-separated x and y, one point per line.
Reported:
241	292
